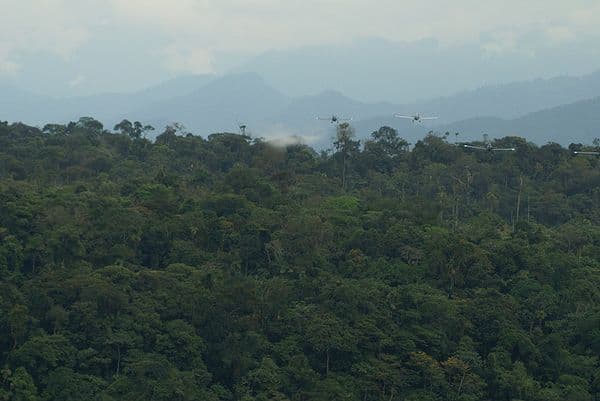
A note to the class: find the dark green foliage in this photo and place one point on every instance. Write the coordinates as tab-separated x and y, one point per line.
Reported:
228	269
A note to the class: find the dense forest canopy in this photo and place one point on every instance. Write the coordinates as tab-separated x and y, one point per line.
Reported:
226	268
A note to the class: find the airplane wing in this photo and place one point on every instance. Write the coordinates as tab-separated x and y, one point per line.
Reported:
474	147
587	153
401	116
429	118
504	149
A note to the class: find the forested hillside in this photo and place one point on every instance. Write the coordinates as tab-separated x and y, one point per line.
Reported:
224	268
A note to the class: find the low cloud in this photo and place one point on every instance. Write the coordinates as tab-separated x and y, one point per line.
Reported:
77	81
209	28
558	35
40	26
190	34
187	59
7	66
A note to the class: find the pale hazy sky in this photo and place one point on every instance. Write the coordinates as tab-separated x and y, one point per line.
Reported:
145	40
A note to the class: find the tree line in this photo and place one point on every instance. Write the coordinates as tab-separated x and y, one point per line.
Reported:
226	268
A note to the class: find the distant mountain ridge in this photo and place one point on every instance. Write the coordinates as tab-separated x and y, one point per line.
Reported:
555	109
372	69
565	124
219	105
21	105
512	100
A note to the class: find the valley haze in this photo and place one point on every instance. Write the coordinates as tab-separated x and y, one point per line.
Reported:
561	109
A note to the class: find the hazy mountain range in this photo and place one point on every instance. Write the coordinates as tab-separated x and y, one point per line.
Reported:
373	69
564	109
570	123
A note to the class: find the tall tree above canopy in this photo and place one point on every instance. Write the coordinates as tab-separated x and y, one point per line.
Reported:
345	147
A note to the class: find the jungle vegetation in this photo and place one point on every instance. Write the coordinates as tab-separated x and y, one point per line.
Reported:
226	268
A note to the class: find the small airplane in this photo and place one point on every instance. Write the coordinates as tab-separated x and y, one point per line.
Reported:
586	153
417	118
488	146
334	119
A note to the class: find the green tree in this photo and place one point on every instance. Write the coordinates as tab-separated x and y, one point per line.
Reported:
345	147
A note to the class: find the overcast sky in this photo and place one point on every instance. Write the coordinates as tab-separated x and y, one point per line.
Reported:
124	44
